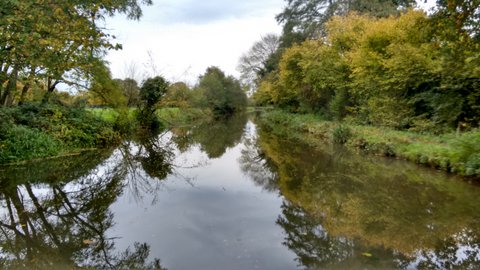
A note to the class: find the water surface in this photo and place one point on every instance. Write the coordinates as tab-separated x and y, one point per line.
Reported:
232	195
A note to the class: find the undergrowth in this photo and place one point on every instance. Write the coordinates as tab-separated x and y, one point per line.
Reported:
34	131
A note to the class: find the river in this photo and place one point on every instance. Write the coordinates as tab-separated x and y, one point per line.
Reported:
232	195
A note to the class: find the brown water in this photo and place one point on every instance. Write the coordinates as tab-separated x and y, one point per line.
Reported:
231	195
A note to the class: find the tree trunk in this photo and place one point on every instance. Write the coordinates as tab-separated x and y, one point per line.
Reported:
12	85
50	88
27	86
3	76
25	89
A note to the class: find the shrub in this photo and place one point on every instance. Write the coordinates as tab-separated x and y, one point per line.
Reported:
23	143
34	130
341	134
468	149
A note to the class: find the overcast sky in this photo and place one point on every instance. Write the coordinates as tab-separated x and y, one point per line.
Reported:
184	37
179	39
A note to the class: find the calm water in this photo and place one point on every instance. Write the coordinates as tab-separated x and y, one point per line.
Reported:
232	195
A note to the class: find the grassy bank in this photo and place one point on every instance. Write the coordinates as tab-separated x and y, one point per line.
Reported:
36	131
168	116
456	153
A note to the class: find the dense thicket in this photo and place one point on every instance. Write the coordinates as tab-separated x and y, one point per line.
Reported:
405	71
35	131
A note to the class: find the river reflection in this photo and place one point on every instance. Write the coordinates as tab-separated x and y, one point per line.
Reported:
347	211
59	220
230	195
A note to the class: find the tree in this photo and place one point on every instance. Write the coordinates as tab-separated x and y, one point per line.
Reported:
224	94
305	19
58	41
456	100
106	89
130	90
151	92
179	95
259	60
314	74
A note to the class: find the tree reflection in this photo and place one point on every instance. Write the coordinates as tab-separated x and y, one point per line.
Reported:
213	137
63	224
309	240
156	155
258	166
317	249
339	207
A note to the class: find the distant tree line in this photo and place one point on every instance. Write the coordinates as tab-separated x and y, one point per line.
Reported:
215	91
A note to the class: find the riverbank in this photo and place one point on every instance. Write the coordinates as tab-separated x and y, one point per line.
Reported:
457	153
34	132
38	131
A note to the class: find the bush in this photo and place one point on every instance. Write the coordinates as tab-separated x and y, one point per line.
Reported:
341	134
468	152
34	130
23	143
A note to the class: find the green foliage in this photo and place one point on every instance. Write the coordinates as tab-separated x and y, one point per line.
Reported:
55	42
314	74
306	19
468	152
22	143
151	92
179	95
223	94
33	131
404	72
104	88
341	134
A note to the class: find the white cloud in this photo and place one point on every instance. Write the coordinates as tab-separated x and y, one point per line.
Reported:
183	48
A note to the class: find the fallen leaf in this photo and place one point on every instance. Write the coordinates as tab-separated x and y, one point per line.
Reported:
88	242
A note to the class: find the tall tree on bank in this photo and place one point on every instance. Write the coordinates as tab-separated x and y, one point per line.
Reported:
151	92
305	19
224	94
259	60
456	27
55	41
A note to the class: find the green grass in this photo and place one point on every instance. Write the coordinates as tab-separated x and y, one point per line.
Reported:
111	115
169	116
457	153
182	116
